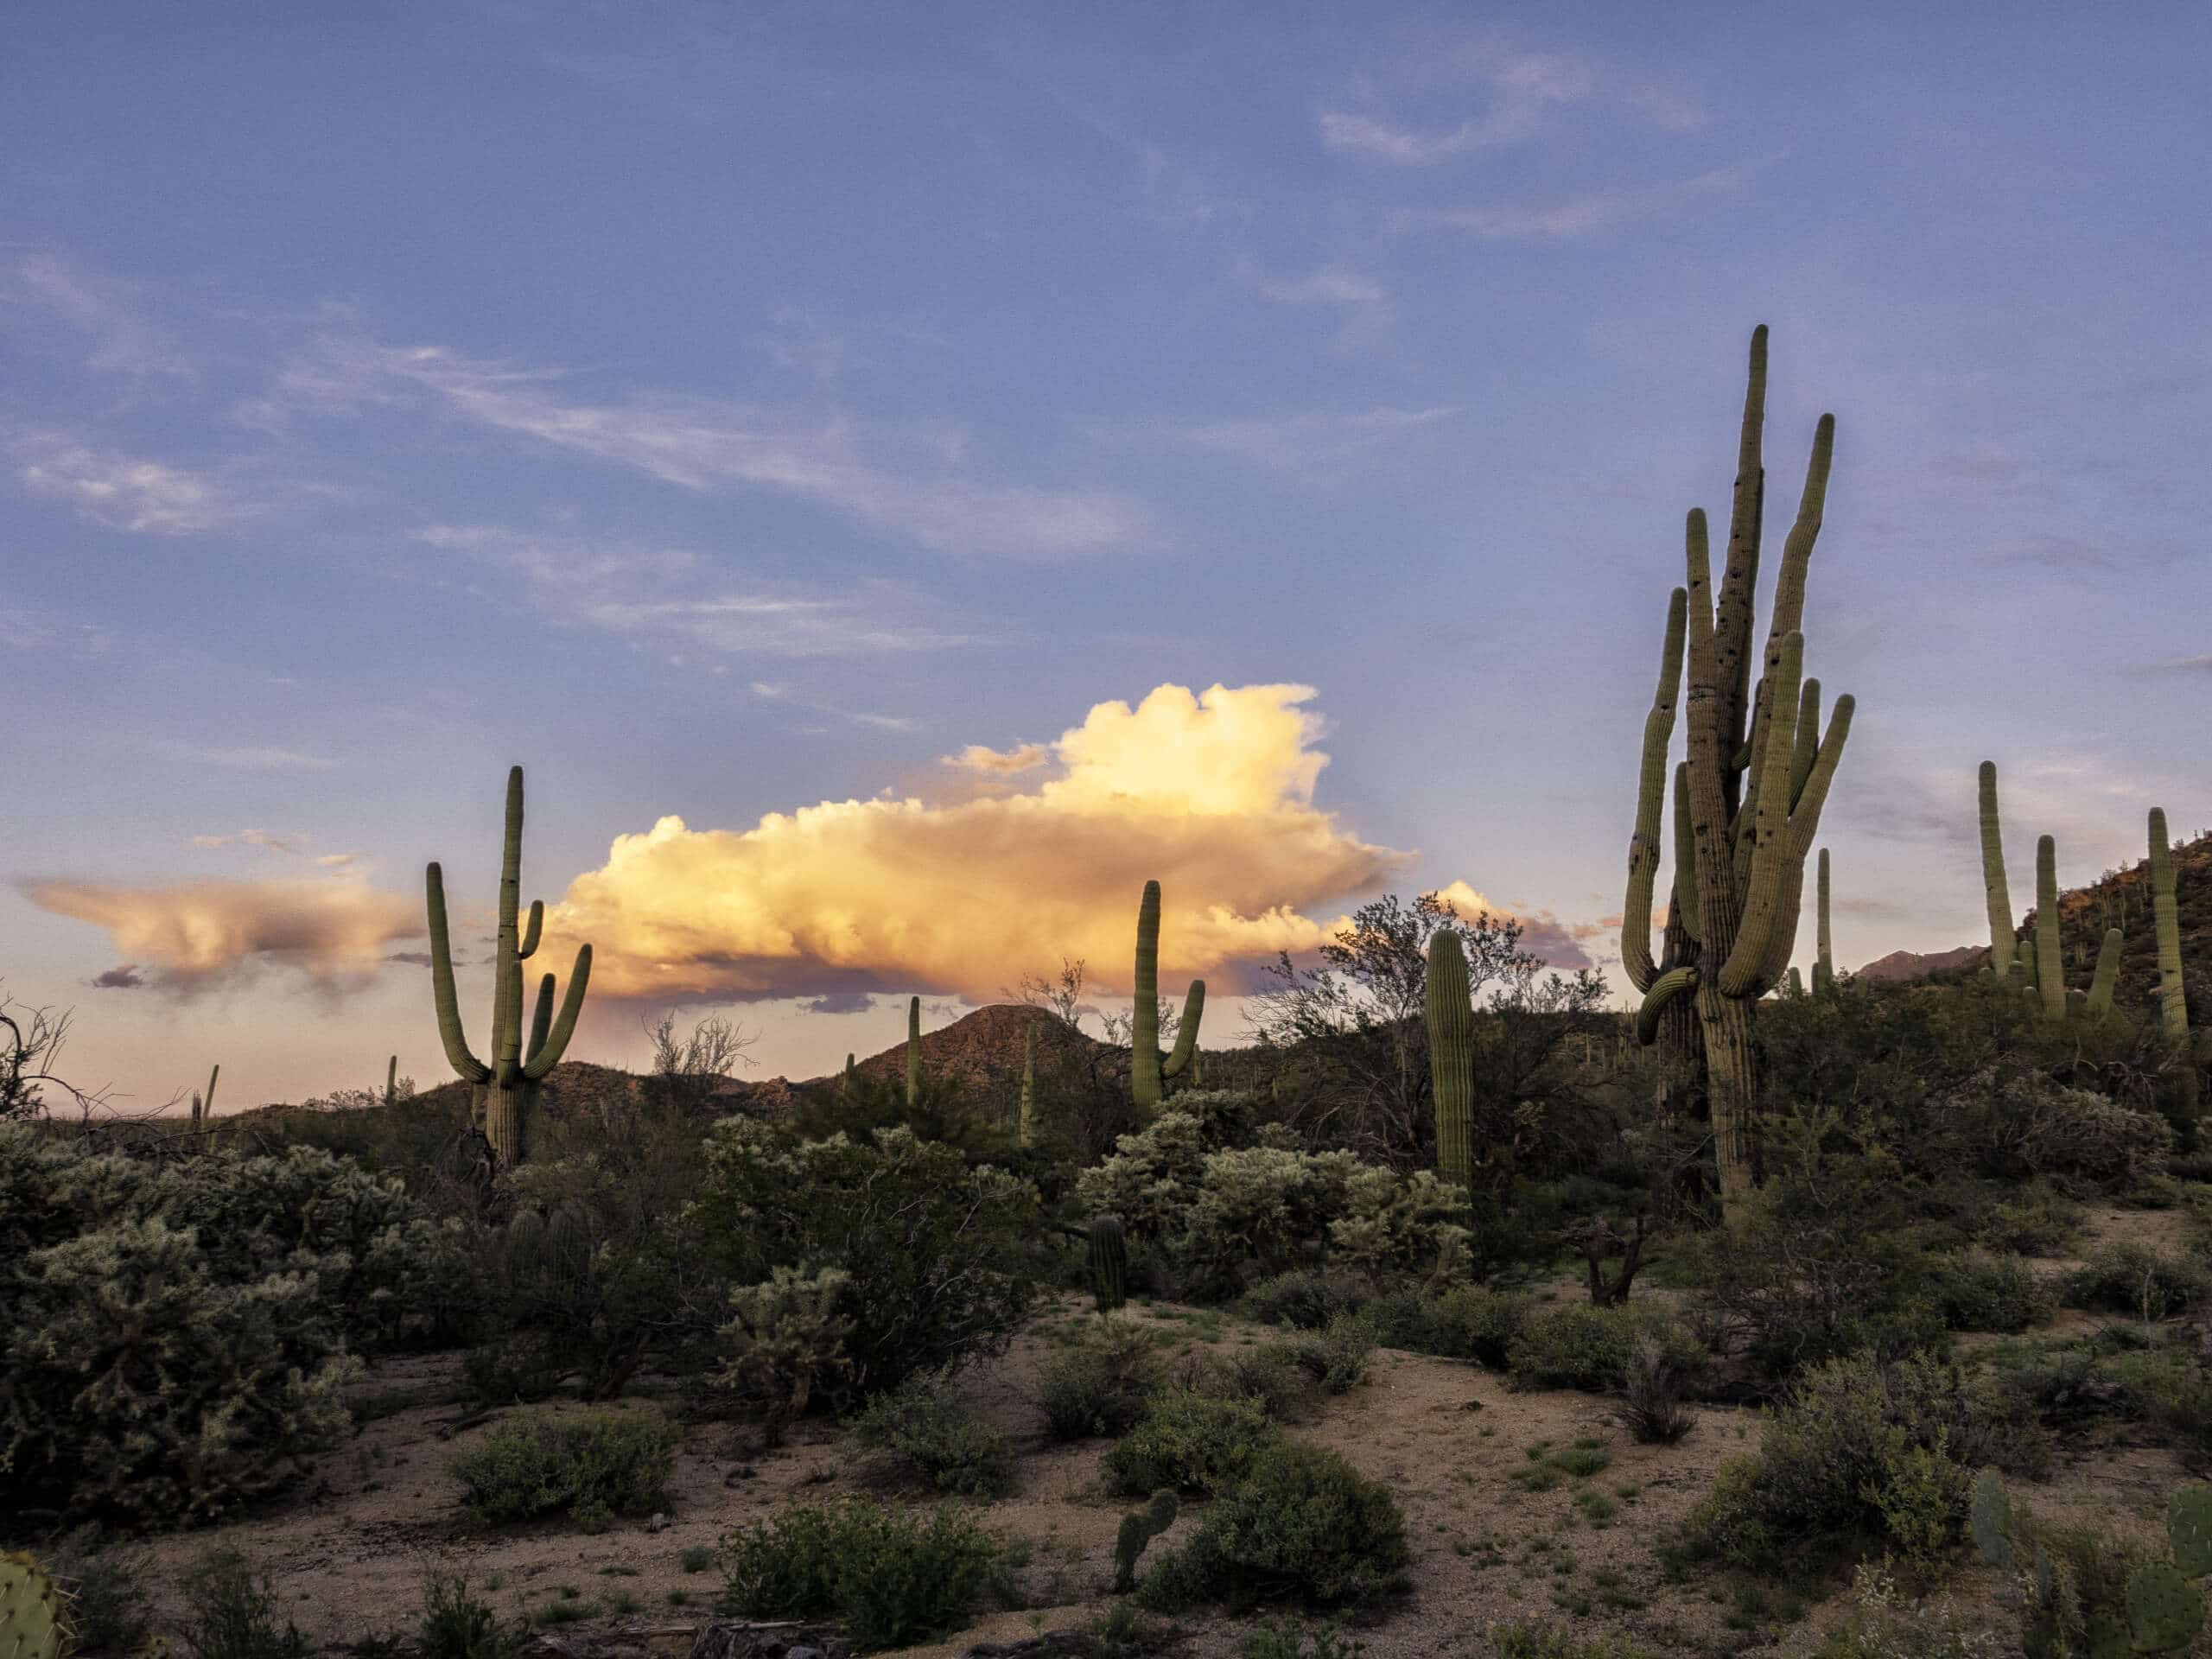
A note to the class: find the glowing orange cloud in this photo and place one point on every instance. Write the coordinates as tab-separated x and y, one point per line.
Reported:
195	933
1212	794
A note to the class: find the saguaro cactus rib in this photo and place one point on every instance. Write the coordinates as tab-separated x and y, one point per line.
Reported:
1651	800
1996	894
507	1087
1147	1068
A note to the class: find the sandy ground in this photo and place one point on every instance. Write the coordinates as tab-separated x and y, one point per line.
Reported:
349	1547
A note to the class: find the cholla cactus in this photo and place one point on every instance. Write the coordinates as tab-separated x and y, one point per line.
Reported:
34	1610
1452	1057
505	1090
1758	773
1137	1531
1148	1068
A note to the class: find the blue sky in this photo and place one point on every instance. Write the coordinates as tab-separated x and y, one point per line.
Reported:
723	411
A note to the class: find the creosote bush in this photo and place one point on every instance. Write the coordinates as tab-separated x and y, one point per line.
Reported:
590	1466
1190	1443
1100	1383
2132	1278
927	1426
893	1577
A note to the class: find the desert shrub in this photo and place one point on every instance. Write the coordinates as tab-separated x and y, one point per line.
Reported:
1884	1623
106	1580
785	1342
1261	1209
1286	1641
1307	1298
1863	1450
1988	1294
1152	1180
2037	1220
1393	1225
1100	1383
925	1424
1190	1442
234	1615
1549	1642
1652	1404
2171	1391
934	1250
1304	1523
590	1466
1575	1345
1272	1375
455	1625
2132	1278
1336	1358
893	1577
142	1386
2023	1125
1467	1322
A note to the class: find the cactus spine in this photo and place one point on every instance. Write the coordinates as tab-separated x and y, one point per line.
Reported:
1148	1068
504	1090
1824	963
1138	1530
1452	1057
34	1609
1758	775
913	1052
2050	967
1109	1262
1994	890
1025	1125
2173	998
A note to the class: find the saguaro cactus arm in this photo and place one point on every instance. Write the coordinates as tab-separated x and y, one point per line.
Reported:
1675	982
1651	800
1998	896
1186	1031
465	1064
1146	1065
546	1054
1739	581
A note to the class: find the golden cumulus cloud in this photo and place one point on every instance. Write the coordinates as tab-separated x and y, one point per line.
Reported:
1212	794
194	934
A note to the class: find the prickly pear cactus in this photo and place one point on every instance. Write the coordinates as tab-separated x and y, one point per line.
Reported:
1991	1519
1109	1262
2165	1611
2189	1528
34	1610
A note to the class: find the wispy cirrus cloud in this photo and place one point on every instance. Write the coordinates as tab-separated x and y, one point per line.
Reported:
266	759
126	491
1577	216
1337	285
122	341
1308	438
915	487
674	598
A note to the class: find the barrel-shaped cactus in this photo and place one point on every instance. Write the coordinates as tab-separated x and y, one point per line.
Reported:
1148	1067
1452	1056
505	1089
34	1609
1109	1262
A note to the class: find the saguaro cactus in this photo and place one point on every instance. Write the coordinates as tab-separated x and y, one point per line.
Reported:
391	1080
1136	1531
34	1610
504	1090
1754	800
203	1106
1994	890
1824	962
2173	998
1452	1057
1148	1068
2101	986
1025	1125
913	1052
1109	1262
2050	967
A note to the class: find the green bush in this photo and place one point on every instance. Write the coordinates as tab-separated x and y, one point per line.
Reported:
1303	1524
457	1626
936	1253
234	1615
589	1466
894	1577
2037	1221
1548	1642
1272	1375
1989	1293
925	1424
1866	1450
1191	1443
2132	1278
1575	1345
1305	1297
1337	1356
1467	1322
1101	1383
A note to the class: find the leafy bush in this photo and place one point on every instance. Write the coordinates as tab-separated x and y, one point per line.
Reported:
1861	1448
1272	1375
925	1424
1283	1641
1101	1385
1548	1642
456	1625
1336	1358
1191	1443
1260	1208
2132	1278
1305	1297
1989	1293
894	1577
1468	1322
1576	1346
234	1615
2037	1221
590	1465
1304	1523
934	1250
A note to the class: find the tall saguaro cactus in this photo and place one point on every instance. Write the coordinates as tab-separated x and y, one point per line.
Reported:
2173	998
1148	1068
2107	974
391	1080
1451	1056
913	1052
203	1106
1824	963
1758	774
2050	967
1994	891
505	1089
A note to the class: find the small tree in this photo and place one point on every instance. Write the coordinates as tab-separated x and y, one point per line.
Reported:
688	1071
